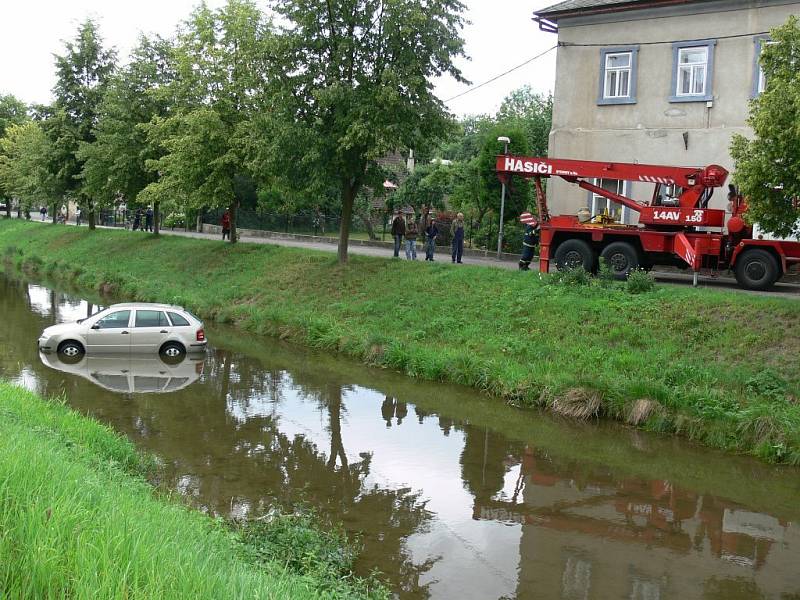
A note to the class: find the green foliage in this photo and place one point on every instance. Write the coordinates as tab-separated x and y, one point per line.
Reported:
114	164
531	112
351	84
24	166
768	166
82	74
640	282
298	542
428	185
576	276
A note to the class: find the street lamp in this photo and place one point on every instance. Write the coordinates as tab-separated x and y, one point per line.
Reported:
506	141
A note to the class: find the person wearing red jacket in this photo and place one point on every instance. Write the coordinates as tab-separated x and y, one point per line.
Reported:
226	224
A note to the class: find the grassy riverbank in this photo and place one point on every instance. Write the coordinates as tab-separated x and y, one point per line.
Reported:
719	367
78	520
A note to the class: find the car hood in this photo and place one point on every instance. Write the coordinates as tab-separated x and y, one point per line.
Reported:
60	328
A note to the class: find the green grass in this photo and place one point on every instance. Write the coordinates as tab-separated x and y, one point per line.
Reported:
77	520
719	367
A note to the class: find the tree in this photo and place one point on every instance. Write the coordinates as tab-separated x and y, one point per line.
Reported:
768	166
352	83
25	170
115	163
219	68
426	186
533	113
12	112
82	74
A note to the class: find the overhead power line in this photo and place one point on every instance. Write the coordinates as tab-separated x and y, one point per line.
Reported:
496	77
606	45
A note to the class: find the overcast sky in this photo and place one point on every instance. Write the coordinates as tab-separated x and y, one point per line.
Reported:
501	36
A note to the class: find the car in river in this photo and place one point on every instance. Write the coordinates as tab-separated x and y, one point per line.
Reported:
168	330
130	374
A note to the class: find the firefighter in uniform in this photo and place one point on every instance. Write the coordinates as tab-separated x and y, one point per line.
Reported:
530	239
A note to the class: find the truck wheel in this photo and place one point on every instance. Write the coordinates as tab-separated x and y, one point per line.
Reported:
756	269
574	253
621	258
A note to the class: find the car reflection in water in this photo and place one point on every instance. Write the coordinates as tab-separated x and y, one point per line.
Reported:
127	374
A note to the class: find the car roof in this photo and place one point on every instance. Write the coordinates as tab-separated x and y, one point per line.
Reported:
147	305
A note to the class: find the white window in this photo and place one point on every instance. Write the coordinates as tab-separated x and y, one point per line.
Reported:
602	205
762	79
618	75
692	71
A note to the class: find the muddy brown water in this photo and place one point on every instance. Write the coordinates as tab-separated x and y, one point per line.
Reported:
453	494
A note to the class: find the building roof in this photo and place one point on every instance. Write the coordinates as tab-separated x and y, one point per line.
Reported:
569	8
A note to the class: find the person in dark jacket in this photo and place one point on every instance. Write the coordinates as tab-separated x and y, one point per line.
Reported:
457	229
411	239
398	231
530	238
226	224
431	233
148	219
137	219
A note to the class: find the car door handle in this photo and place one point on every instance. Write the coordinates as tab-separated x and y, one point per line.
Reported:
164	331
125	333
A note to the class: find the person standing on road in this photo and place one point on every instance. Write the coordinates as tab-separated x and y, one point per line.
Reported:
431	233
43	212
411	239
62	215
137	219
530	238
398	231
148	219
226	224
78	216
457	229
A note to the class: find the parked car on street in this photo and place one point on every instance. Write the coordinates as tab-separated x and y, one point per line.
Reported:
170	331
130	374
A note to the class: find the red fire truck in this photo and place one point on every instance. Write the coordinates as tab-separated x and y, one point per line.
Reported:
676	227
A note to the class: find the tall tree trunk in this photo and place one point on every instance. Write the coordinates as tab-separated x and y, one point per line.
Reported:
91	219
234	215
156	217
55	212
349	191
19	210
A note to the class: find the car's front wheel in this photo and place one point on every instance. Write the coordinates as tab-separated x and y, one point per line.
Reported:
71	351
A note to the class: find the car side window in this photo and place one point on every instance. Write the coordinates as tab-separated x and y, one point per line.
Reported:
116	320
177	320
151	318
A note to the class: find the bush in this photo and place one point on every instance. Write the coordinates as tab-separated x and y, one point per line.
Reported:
605	276
572	277
640	282
173	220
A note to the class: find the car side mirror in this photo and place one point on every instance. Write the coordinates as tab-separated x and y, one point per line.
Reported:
95	326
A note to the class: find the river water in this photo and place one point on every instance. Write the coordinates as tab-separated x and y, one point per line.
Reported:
452	494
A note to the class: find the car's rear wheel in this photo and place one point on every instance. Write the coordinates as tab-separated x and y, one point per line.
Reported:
71	351
172	352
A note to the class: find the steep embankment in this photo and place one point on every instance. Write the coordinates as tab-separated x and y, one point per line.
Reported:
77	520
718	367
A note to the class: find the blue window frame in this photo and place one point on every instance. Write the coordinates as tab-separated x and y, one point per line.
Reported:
758	74
618	68
692	71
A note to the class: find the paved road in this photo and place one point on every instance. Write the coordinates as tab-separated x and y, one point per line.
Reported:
785	290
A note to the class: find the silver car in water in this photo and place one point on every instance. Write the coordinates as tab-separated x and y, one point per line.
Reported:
128	328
